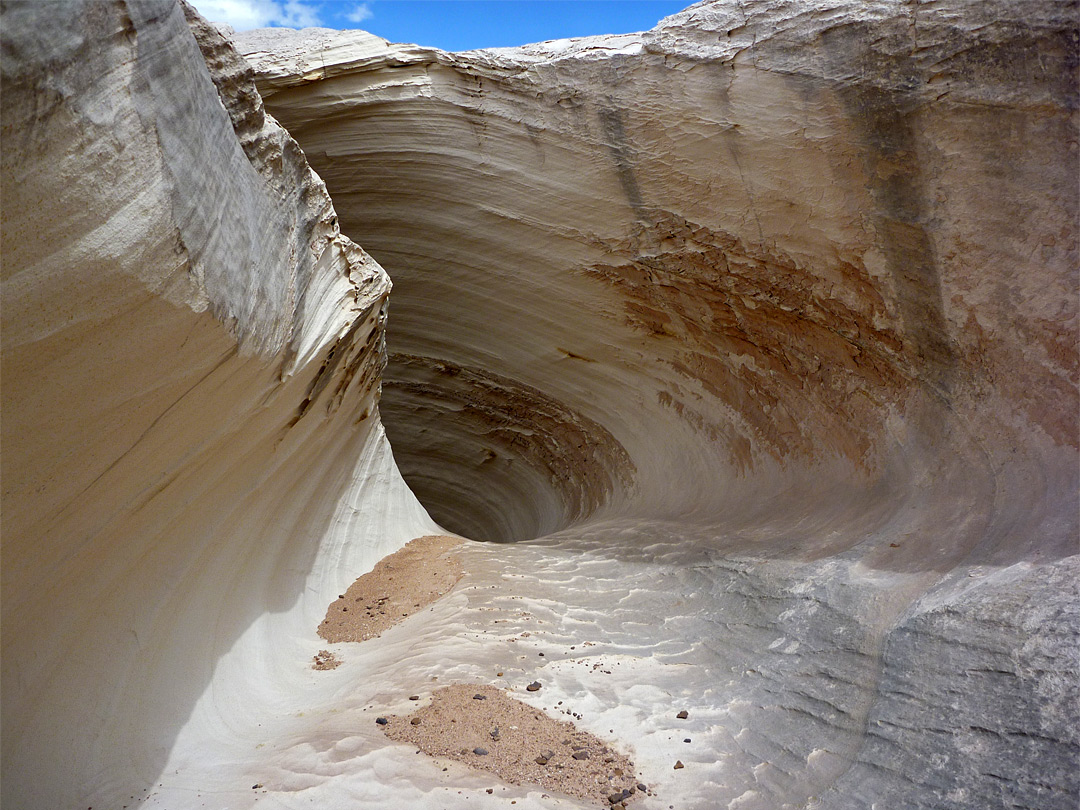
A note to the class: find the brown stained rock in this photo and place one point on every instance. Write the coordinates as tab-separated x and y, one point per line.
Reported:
400	584
531	749
744	296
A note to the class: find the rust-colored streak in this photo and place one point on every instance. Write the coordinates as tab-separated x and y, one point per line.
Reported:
796	359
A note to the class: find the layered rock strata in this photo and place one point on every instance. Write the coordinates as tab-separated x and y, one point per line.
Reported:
191	359
772	229
757	330
792	284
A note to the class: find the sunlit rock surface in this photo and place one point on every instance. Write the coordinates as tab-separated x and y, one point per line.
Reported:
757	331
192	460
769	315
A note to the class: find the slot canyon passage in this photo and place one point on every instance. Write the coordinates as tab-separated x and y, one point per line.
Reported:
743	351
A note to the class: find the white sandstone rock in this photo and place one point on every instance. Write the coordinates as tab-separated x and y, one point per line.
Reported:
192	458
761	323
790	283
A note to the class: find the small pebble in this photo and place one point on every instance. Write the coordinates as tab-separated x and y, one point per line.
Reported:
415	721
479	697
490	790
687	740
683	714
414	697
382	721
678	764
480	752
581	755
541	655
642	787
534	686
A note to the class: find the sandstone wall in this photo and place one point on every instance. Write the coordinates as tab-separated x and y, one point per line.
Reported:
760	239
785	283
757	331
191	359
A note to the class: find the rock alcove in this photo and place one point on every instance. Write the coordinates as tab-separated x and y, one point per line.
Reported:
757	331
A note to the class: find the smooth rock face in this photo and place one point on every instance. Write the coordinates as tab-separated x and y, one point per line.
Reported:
787	290
746	240
191	353
758	329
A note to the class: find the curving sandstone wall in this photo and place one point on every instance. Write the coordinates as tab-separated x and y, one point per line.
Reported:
191	355
755	241
786	282
757	331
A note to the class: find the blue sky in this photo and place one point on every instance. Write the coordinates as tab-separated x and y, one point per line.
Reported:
453	25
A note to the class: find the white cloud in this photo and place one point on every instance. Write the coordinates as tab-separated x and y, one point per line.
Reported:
300	15
360	13
246	14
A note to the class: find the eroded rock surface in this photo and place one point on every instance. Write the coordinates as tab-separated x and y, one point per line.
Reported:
775	230
758	330
810	271
191	355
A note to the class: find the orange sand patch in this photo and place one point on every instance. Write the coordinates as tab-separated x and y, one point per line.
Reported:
324	659
401	584
522	744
